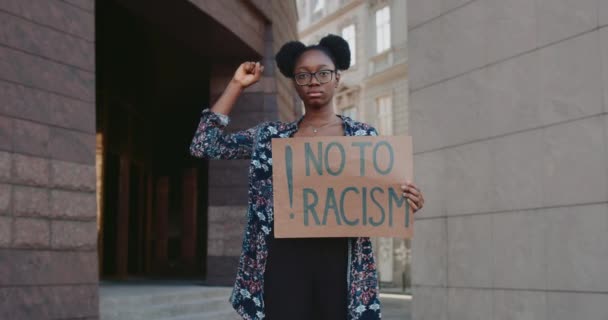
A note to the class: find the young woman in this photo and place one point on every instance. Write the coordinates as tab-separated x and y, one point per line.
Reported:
292	279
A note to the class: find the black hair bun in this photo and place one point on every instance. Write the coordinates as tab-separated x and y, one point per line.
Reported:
287	56
338	47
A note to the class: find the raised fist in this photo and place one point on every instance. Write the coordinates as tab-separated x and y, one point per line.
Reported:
248	73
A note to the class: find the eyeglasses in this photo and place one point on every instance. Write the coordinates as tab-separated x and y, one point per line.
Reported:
322	76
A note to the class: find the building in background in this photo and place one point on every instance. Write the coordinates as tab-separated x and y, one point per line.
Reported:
100	100
374	89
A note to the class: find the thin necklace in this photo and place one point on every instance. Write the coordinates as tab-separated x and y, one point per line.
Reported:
316	129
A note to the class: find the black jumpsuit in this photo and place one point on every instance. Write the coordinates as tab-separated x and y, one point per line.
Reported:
306	278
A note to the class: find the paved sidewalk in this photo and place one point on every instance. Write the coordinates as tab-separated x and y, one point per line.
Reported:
187	301
396	307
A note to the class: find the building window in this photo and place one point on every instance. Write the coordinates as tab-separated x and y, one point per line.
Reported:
350	112
348	33
385	115
383	29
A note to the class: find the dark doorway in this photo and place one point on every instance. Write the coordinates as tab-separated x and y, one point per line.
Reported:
150	90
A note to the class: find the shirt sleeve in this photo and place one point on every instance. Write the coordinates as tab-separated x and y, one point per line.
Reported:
373	131
211	142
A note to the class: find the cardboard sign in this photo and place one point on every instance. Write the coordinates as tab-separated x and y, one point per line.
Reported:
341	186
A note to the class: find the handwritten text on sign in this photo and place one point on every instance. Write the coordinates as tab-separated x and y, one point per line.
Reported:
341	186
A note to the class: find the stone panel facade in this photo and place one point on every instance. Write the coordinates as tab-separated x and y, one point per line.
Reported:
48	229
508	115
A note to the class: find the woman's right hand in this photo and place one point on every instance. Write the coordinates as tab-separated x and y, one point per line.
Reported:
248	73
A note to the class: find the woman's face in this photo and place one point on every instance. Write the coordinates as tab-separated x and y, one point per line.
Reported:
316	94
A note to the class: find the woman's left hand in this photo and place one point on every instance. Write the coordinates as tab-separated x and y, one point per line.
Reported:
413	195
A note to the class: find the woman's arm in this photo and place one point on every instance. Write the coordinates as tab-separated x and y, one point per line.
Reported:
210	141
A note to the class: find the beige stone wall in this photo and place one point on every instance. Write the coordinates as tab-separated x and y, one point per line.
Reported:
509	118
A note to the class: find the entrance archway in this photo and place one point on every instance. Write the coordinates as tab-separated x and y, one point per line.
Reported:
154	70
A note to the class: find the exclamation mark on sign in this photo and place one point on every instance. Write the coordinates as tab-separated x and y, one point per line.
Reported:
407	213
289	169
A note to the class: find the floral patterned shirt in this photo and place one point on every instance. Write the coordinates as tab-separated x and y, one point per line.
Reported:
211	142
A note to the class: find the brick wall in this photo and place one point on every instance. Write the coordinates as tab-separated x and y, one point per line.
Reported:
48	229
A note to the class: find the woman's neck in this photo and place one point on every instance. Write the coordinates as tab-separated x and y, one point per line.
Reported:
319	116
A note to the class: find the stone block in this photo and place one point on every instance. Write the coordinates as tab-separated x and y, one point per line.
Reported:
429	253
470	254
575	151
5	233
31	233
577	305
6	160
24	103
458	117
75	205
429	172
215	247
560	19
577	248
464	39
57	45
72	146
512	95
88	5
72	114
448	5
222	269
228	196
228	177
603	13
30	201
5	198
74	235
517	170
30	138
520	305
33	71
248	102
429	303
48	108
420	11
469	304
604	54
519	250
571	81
510	28
31	267
30	170
49	302
426	108
57	14
6	133
426	55
469	181
74	176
